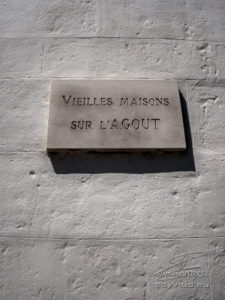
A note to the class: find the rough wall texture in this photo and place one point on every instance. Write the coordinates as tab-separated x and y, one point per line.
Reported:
111	226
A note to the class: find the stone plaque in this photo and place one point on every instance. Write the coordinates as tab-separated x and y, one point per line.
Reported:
115	114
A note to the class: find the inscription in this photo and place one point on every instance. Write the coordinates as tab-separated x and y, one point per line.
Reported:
124	101
117	124
115	114
86	101
81	124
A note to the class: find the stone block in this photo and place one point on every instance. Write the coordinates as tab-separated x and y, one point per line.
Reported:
208	5
211	170
213	210
103	269
221	63
140	19
49	18
21	57
24	115
129	59
207	112
205	24
43	202
211	177
216	261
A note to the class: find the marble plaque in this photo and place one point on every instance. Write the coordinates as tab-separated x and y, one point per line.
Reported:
115	115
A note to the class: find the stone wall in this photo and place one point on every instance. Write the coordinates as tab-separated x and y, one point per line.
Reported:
111	226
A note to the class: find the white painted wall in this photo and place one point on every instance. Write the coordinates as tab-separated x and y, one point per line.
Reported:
101	227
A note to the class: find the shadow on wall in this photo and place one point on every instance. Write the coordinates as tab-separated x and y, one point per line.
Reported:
128	162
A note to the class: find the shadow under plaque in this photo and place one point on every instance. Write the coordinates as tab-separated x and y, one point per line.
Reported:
128	162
